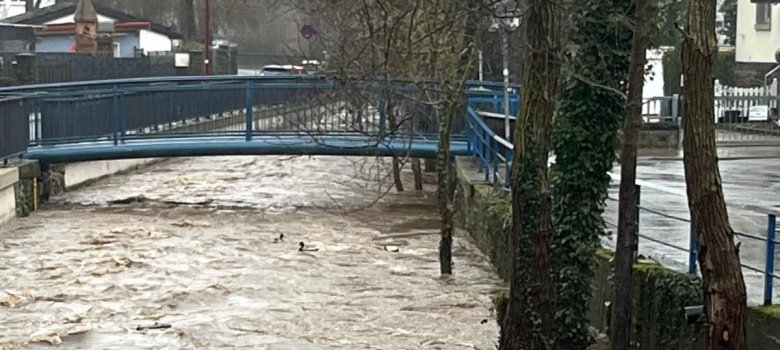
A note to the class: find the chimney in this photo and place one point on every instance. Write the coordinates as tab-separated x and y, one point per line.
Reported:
86	27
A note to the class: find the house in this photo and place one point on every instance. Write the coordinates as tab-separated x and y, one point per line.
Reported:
83	27
758	39
17	38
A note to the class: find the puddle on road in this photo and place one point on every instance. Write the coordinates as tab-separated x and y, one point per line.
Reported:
84	273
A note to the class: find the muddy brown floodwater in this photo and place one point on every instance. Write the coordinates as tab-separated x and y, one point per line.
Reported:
190	243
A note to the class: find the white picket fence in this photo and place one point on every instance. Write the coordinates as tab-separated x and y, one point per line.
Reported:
753	104
732	105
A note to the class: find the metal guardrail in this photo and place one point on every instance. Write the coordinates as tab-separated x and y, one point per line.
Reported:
770	242
492	151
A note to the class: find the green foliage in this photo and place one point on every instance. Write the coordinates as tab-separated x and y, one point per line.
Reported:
24	197
585	138
668	15
488	218
729	29
724	70
771	311
659	297
527	194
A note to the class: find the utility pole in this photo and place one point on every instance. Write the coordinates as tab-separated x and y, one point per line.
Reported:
505	54
505	20
207	44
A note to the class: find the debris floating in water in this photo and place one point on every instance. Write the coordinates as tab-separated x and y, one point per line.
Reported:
155	326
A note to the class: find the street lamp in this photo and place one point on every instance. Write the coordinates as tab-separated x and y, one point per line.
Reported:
207	45
505	20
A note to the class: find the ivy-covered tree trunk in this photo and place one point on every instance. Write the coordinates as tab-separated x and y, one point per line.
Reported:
528	321
620	324
585	139
723	284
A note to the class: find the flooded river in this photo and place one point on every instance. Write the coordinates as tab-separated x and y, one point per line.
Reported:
190	243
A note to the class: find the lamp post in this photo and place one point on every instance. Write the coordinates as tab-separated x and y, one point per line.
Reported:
505	20
207	44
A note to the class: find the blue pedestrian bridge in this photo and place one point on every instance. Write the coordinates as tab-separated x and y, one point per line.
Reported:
240	115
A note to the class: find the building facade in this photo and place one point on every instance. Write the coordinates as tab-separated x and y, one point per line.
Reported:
758	39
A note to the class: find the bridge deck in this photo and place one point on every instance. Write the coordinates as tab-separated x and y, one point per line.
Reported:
202	145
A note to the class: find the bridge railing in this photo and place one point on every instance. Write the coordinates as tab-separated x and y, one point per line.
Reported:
492	152
244	106
127	109
14	131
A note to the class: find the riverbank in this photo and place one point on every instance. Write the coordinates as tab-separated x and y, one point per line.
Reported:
659	294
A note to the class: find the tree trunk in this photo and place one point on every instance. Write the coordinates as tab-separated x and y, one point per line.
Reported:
417	171
446	189
620	325
430	165
393	124
29	5
528	321
723	284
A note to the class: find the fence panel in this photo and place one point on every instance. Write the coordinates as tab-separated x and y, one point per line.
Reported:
14	127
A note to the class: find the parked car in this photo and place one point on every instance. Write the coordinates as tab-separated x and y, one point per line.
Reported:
278	70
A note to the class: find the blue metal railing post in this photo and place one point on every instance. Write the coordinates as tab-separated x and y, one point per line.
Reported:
117	125
383	116
250	109
693	250
771	236
508	164
122	125
494	163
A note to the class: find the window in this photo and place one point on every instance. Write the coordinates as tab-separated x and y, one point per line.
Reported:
117	51
763	16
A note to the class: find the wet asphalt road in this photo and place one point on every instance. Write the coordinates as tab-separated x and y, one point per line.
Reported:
751	187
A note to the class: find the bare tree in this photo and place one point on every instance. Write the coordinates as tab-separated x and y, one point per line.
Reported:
620	325
725	300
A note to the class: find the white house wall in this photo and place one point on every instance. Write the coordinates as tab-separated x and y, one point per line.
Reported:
756	46
151	41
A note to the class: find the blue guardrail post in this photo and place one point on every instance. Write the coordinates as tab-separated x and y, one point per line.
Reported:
250	109
382	116
508	165
771	237
117	122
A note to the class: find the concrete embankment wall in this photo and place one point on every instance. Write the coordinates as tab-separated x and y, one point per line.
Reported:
8	178
659	294
22	186
77	174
